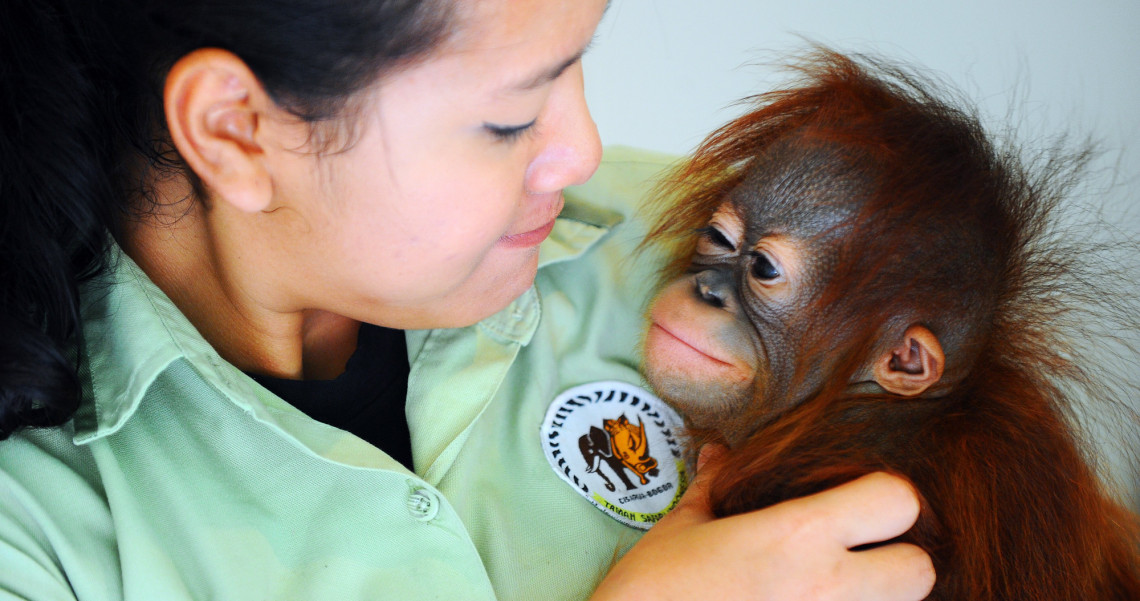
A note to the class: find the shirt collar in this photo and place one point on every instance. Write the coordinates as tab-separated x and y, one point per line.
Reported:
133	331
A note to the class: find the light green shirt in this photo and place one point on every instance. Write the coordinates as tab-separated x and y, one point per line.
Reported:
181	478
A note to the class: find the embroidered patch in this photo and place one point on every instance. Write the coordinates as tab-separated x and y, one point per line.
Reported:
617	445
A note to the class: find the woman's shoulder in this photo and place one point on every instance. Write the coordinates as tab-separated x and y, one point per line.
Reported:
614	209
625	179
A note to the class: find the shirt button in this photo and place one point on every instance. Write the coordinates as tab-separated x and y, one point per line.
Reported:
423	504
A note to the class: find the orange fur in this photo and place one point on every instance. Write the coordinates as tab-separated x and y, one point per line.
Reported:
1011	508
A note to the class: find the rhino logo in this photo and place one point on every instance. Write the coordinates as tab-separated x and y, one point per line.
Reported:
621	446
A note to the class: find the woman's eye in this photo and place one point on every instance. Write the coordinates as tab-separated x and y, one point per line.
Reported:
763	268
712	236
509	133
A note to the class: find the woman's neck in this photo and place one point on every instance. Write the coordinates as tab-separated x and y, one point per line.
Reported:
218	275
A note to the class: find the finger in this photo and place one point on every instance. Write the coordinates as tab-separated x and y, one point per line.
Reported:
694	504
897	572
870	509
710	453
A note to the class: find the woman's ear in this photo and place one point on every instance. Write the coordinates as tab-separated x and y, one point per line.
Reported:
213	105
912	365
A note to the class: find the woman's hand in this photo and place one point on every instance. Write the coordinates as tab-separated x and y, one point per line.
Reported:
798	549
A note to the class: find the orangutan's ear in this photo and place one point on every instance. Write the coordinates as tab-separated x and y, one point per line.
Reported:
912	365
213	105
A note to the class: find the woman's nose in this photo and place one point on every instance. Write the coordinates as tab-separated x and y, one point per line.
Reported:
572	149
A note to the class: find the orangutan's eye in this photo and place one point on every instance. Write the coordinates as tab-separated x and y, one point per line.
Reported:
712	241
763	268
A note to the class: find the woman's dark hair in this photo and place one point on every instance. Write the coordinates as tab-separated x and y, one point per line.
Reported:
81	110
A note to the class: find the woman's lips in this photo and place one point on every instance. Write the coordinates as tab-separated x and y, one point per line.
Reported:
528	239
549	204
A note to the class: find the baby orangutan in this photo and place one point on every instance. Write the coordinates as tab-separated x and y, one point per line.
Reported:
867	290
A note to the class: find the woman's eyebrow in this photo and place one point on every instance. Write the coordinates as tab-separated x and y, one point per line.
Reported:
549	75
552	74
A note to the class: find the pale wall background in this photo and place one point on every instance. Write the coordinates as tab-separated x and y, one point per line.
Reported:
663	73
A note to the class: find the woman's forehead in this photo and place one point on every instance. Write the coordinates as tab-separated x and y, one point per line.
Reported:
531	40
481	22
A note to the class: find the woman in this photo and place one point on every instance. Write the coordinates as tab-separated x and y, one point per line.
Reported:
272	175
